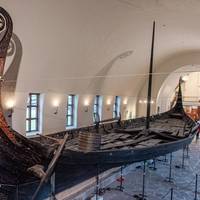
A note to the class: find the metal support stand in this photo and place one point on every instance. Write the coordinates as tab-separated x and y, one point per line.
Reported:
52	181
196	191
172	192
165	160
97	183
143	181
170	179
121	180
142	196
183	158
17	192
154	164
197	136
187	151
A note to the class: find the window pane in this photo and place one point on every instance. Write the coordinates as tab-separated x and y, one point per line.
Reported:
69	99
27	125
33	112
95	108
34	99
69	110
69	121
33	125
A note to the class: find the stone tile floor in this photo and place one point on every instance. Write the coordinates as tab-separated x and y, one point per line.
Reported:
156	187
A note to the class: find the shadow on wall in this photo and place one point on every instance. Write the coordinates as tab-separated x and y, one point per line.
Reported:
10	76
96	83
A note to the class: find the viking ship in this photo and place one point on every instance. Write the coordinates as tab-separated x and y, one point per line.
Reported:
136	139
113	141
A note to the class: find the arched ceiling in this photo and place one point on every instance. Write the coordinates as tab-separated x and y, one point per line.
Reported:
67	43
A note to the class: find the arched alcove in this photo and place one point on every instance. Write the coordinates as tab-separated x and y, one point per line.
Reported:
166	76
190	87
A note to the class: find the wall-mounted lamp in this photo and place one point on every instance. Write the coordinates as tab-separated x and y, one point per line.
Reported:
56	105
1	79
86	105
108	104
145	101
152	101
140	101
125	101
10	105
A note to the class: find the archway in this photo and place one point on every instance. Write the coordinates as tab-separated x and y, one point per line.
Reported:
190	88
177	64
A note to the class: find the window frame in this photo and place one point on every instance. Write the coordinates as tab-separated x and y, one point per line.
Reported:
116	107
72	114
29	107
97	105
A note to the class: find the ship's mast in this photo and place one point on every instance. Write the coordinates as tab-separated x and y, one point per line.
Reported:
150	80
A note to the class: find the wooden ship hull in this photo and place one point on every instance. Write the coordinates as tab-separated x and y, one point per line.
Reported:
131	144
123	157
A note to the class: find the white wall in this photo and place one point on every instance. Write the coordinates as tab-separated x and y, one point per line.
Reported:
51	123
80	47
191	89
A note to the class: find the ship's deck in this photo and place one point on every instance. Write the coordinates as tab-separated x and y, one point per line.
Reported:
136	136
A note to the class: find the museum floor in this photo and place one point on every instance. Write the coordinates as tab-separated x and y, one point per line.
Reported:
156	187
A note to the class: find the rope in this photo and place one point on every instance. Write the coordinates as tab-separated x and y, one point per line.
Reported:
7	185
29	183
107	76
23	184
185	187
165	195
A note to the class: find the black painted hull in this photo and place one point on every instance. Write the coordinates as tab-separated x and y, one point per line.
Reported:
124	156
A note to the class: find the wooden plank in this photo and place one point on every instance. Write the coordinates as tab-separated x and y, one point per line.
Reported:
132	130
55	140
125	136
111	138
50	167
127	143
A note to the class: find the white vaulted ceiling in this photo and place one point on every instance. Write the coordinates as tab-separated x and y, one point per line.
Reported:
67	43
